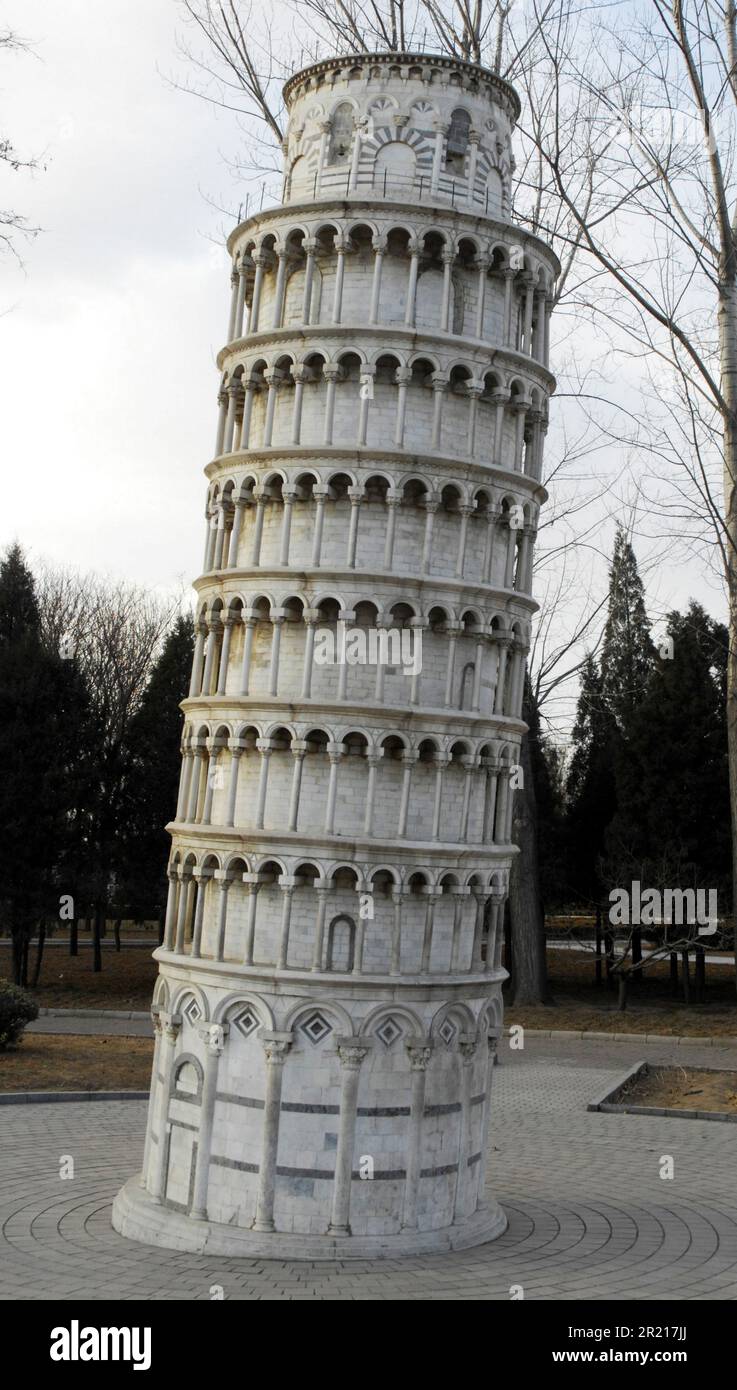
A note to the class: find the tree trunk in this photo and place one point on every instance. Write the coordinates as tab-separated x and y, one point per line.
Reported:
39	954
727	321
97	922
161	919
530	979
116	933
74	937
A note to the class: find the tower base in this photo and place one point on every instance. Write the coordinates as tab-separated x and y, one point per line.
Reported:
138	1217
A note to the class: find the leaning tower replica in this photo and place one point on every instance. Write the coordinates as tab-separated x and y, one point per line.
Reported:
329	991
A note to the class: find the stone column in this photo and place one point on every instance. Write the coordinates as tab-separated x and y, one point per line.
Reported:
414	265
467	1047
171	1023
466	510
509	279
234	391
409	758
273	381
222	417
309	247
475	391
448	258
322	889
335	752
214	777
253	883
482	266
379	245
420	1052
228	623
432	896
184	917
372	758
356	496
241	303
282	265
265	748
276	1046
459	896
364	402
470	763
287	884
224	880
342	245
289	494
492	778
235	535
198	755
234	280
431	504
171	907
351	1052
395	964
184	781
249	624
500	824
393	501
299	749
441	761
278	618
332	373
260	263
152	1095
213	1035
251	387
503	645
310	617
454	631
439	386
201	878
402	376
320	494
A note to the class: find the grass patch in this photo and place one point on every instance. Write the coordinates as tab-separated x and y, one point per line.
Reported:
47	1062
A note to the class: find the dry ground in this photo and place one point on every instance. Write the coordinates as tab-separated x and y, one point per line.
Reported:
683	1088
46	1062
126	980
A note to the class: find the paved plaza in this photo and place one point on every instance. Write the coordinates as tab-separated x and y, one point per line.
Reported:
589	1214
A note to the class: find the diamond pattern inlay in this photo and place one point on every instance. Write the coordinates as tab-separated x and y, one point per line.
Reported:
316	1028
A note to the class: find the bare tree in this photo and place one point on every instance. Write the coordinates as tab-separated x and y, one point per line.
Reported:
114	631
661	88
13	225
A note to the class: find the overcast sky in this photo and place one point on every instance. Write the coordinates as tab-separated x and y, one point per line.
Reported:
109	333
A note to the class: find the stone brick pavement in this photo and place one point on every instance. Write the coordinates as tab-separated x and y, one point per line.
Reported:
589	1215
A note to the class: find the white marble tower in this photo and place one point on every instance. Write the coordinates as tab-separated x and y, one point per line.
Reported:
329	991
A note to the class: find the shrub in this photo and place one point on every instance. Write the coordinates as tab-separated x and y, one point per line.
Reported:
17	1008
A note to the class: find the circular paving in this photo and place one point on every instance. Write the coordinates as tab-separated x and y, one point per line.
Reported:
589	1215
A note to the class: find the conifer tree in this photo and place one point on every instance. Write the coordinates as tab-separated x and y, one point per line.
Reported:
153	765
42	708
627	651
590	786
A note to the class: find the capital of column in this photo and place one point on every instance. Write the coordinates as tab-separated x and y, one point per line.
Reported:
352	1051
420	1051
276	1047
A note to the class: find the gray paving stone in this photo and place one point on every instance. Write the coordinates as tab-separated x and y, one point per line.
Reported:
589	1215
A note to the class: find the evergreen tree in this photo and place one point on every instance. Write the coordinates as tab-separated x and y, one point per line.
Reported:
590	786
42	703
673	790
627	652
153	766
